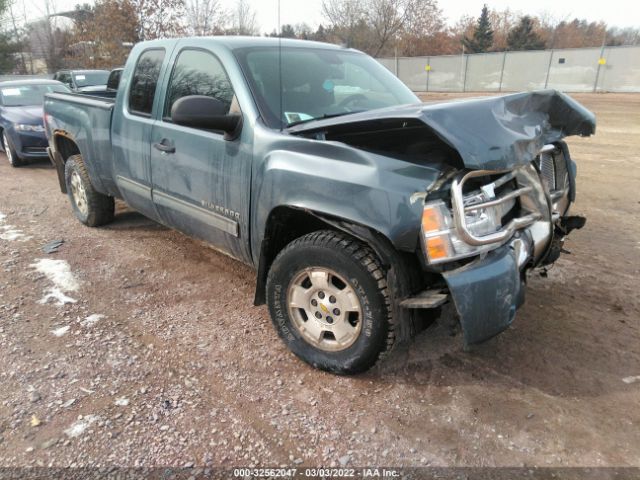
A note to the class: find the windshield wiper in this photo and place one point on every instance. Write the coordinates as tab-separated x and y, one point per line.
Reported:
326	115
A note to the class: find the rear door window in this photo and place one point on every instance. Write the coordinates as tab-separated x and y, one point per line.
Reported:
145	81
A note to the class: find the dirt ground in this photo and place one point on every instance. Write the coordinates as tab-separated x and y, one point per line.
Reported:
182	370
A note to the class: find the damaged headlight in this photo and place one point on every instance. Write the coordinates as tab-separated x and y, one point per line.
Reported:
482	211
487	208
441	240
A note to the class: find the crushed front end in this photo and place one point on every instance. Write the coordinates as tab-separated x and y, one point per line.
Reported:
483	230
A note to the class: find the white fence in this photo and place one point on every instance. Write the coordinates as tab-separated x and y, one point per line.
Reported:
612	69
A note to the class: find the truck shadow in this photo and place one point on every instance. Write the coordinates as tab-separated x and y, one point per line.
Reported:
129	219
550	347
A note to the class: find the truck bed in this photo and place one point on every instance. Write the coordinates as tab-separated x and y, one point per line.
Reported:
87	120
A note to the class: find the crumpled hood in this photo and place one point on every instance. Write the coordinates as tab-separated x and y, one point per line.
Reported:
490	133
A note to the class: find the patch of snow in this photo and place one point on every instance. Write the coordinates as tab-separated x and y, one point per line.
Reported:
122	402
631	379
91	320
59	332
78	427
59	273
56	295
11	233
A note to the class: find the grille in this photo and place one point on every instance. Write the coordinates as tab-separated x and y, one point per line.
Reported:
548	170
504	201
553	169
34	149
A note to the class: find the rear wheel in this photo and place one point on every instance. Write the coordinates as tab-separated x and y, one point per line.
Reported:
328	299
12	155
90	206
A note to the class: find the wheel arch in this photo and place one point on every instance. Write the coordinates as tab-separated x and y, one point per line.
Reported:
64	148
286	223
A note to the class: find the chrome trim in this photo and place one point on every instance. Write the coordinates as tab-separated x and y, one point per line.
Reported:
498	201
207	217
550	147
132	186
457	202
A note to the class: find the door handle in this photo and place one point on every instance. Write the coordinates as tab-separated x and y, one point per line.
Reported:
164	146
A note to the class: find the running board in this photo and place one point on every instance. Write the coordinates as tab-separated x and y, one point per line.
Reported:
425	299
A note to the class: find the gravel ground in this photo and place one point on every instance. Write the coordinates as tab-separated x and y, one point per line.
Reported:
161	359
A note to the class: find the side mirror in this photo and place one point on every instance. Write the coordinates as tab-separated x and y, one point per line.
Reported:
200	111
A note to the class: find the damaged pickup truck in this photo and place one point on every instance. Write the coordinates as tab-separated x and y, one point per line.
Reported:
364	211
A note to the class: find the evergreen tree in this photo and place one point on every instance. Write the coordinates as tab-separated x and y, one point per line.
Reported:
482	39
523	36
9	49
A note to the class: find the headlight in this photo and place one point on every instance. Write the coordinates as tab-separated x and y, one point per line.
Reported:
441	240
482	216
21	127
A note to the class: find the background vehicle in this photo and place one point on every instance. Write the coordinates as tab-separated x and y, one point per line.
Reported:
83	81
362	210
21	125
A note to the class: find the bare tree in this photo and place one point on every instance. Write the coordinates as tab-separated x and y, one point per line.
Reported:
102	38
17	34
160	18
243	19
206	17
46	36
344	17
388	18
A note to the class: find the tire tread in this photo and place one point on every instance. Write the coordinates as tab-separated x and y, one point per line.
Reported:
101	207
362	254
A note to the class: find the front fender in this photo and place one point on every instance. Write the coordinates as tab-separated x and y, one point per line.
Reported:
338	181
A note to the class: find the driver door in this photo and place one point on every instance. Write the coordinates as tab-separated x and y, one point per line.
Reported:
200	179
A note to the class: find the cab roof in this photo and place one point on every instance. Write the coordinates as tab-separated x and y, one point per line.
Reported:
234	42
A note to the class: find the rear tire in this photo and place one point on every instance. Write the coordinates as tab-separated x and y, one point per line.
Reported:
14	160
89	206
328	298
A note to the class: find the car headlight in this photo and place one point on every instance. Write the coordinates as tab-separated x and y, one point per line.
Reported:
441	240
23	127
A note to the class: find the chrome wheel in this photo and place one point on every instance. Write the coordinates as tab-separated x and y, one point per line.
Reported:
7	148
79	193
325	309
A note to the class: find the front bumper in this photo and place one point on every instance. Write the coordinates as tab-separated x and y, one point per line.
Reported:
30	145
487	292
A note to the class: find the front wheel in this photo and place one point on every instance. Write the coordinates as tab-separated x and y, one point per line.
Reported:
329	301
11	153
90	206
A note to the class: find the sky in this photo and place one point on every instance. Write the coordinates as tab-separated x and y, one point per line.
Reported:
620	13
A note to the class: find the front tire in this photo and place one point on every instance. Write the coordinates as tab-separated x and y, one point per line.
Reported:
329	302
90	206
14	160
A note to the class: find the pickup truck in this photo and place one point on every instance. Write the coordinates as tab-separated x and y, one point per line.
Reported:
366	213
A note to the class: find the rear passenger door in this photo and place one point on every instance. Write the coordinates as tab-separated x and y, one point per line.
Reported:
200	180
132	125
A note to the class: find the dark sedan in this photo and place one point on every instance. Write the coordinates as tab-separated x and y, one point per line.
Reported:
21	124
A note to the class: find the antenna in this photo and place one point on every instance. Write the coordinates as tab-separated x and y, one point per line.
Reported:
280	67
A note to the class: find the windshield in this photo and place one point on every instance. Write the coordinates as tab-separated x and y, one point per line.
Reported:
87	79
318	83
28	95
